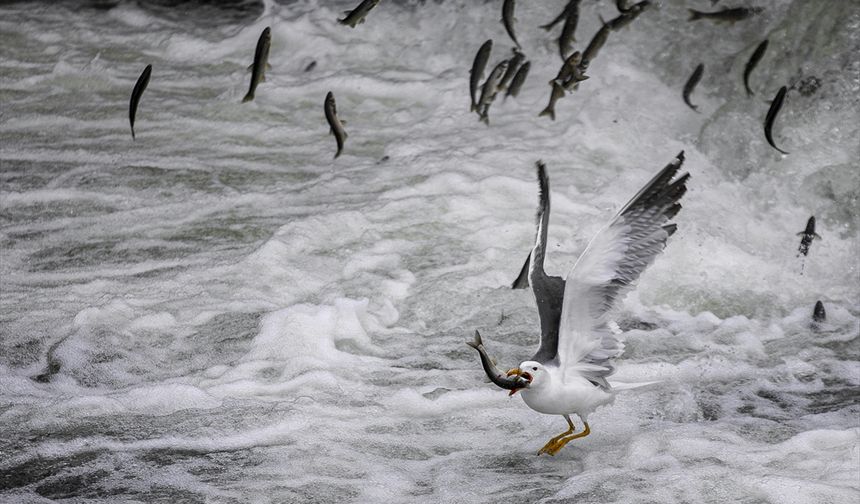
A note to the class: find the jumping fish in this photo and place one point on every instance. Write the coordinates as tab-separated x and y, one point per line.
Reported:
808	235
477	72
139	87
730	15
819	315
357	15
513	66
311	66
261	60
691	85
493	373
596	43
519	79
568	30
751	64
508	19
775	106
489	91
334	123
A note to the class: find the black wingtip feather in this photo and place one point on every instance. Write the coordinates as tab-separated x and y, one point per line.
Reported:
671	228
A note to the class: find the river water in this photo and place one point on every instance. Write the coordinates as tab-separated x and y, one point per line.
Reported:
219	311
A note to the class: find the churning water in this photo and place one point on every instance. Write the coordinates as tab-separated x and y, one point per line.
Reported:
221	312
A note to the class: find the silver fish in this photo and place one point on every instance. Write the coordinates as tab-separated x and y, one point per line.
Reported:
691	84
478	67
819	315
334	123
261	60
513	66
519	79
357	15
568	29
775	106
493	373
757	55
508	19
139	87
808	235
729	15
489	91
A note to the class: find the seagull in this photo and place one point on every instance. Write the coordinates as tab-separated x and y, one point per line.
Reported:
568	373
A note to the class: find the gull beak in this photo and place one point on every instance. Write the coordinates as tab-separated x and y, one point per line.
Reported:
519	374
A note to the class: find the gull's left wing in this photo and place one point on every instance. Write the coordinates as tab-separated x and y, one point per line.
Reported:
613	260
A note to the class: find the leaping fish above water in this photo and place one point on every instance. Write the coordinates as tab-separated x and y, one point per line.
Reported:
519	79
808	235
261	61
136	93
477	72
730	15
568	30
751	64
334	123
774	109
489	91
513	66
819	315
357	15
691	85
508	19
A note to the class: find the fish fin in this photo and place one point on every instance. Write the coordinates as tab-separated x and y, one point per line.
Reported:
694	15
477	342
473	108
548	112
801	233
268	66
818	236
345	134
263	77
251	67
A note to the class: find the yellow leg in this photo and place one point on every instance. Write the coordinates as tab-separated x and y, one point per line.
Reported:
547	448
559	444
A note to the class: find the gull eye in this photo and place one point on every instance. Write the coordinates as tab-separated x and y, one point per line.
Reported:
534	369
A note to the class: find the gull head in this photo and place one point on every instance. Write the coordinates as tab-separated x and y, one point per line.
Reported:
533	372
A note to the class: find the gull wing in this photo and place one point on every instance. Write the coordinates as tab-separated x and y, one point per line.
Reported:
548	290
611	263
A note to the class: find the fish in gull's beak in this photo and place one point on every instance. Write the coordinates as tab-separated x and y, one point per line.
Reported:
519	373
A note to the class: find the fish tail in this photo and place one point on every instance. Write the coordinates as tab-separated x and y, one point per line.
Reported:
248	97
694	15
132	132
548	112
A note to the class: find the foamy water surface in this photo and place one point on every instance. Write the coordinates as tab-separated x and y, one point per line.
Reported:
221	312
